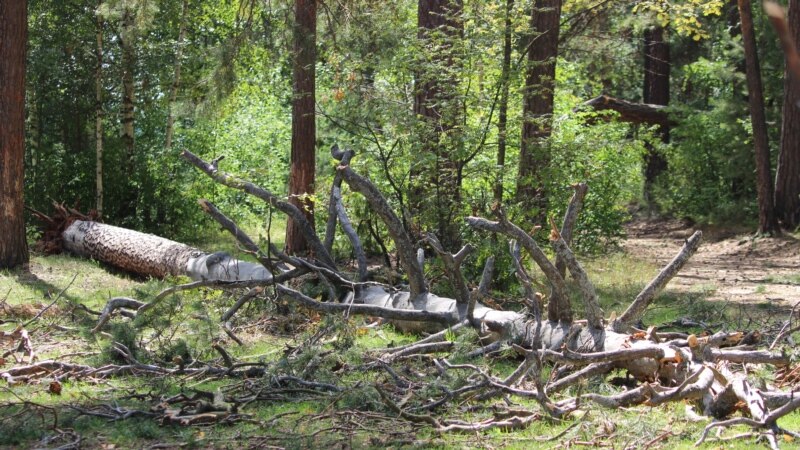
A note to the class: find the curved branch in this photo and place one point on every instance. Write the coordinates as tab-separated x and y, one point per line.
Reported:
287	208
559	307
405	250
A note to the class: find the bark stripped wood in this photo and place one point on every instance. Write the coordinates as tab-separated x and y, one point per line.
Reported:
525	280
347	227
559	308
344	157
637	309
231	227
405	250
594	314
287	208
411	315
452	267
570	219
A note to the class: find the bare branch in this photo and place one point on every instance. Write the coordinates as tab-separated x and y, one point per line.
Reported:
285	207
594	314
452	266
570	219
643	300
405	250
559	308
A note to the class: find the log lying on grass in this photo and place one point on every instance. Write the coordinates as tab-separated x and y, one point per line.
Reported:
153	256
682	369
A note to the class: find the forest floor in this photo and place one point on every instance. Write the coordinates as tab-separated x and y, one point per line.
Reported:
734	282
731	265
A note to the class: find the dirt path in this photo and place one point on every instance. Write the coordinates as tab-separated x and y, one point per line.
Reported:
729	266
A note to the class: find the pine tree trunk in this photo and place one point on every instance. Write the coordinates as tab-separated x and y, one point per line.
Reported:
153	256
303	159
537	110
766	211
787	179
13	41
98	120
656	92
435	194
502	117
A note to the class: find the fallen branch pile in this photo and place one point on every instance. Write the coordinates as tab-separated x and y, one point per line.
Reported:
707	371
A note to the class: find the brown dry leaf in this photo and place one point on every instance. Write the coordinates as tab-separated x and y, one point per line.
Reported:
361	331
2	362
55	387
639	335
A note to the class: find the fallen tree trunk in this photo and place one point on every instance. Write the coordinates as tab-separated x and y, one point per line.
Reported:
687	369
629	111
152	256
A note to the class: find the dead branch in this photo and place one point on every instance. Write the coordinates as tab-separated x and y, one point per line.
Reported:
347	227
643	300
405	250
629	111
287	208
113	305
452	267
344	157
559	307
594	314
336	210
570	219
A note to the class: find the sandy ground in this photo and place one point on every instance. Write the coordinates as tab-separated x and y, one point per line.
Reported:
730	266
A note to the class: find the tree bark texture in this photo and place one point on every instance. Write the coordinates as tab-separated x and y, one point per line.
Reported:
153	256
435	194
303	159
537	109
98	116
767	222
13	41
656	92
787	178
